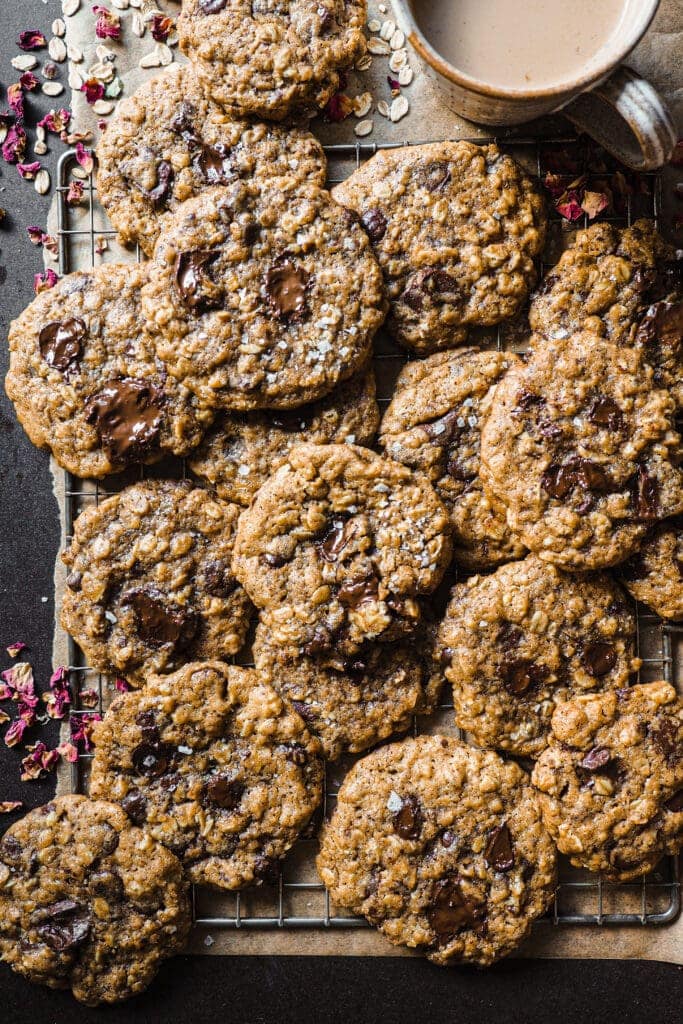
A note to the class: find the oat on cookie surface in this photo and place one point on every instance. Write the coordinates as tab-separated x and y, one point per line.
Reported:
526	638
655	574
170	140
441	847
456	228
149	585
340	544
263	300
214	765
241	450
87	901
611	780
580	447
433	424
354	702
86	383
272	58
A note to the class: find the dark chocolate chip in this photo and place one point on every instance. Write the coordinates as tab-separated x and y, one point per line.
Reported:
286	286
451	912
60	343
595	759
356	592
320	643
135	806
408	821
183	123
665	737
296	753
157	623
604	412
63	925
433	284
433	176
335	540
152	759
509	636
162	190
662	324
498	853
213	163
528	400
523	675
375	223
292	421
447	838
547	284
305	710
218	579
127	415
560	479
197	291
274	561
10	850
446	429
599	658
644	494
224	791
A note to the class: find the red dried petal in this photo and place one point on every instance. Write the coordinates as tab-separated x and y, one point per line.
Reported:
82	727
15	98
38	762
15	733
161	27
74	192
594	203
28	81
108	24
14	649
394	83
29	171
32	39
19	679
68	751
93	89
41	282
56	121
338	108
121	685
4	717
88	698
35	234
14	146
85	158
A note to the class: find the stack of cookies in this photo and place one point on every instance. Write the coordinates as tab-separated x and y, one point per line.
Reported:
244	345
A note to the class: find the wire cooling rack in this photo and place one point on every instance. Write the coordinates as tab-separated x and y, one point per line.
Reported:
298	899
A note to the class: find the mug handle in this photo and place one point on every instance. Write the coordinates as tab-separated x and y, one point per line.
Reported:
629	119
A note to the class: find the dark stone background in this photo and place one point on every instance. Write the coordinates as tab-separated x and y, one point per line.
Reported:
204	990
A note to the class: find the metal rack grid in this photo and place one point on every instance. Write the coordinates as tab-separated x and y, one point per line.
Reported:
299	900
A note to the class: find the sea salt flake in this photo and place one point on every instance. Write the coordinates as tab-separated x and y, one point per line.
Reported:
394	803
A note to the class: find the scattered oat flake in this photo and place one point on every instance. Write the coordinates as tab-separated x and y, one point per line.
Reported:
41	282
32	39
378	47
7	806
14	649
399	108
364	128
108	24
93	89
38	762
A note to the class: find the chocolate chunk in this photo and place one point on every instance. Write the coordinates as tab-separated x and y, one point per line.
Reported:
147	720
74	581
523	675
224	791
547	284
10	850
434	176
197	291
266	869
127	415
305	710
157	623
408	821
446	429
135	806
296	754
183	123
218	579
162	190
644	494
60	343
447	838
509	636
661	325
451	912
212	6
431	283
528	400
375	223
498	853
152	759
599	658
356	668
595	759
275	561
605	412
560	479
675	803
213	163
63	925
320	643
665	738
286	285
335	540
357	591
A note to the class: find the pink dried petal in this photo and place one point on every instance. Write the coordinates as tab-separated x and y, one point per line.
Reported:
19	679
59	676
394	83
14	146
32	39
14	649
41	282
594	203
74	192
29	171
338	108
28	81
93	89
56	121
35	234
88	698
57	703
121	685
7	806
38	762
68	751
569	206
108	24
50	244
161	27
15	733
85	158
82	727
15	98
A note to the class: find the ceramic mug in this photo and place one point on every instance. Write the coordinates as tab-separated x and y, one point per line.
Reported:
620	110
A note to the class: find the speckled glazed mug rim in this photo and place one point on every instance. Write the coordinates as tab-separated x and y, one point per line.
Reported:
566	90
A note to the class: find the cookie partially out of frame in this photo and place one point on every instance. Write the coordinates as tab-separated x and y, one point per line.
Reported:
442	848
655	574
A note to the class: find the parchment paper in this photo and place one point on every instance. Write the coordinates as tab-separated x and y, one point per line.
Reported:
659	58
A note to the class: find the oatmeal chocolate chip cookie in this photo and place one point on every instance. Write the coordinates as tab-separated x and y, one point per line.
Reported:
433	424
456	228
260	300
239	454
215	766
169	141
655	575
350	703
660	336
442	848
339	544
272	58
581	448
611	780
526	638
150	585
86	383
604	281
87	901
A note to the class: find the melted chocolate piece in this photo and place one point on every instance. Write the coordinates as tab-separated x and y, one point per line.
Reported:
286	286
213	163
547	284
675	803
447	838
595	759
408	821
162	190
197	291
218	579
60	343
644	494
356	592
661	325
157	624
62	925
528	400
445	430
435	176
523	675
375	223
605	412
305	710
335	540
296	754
320	643
599	658
183	123
224	791
509	636
665	738
127	416
211	6
135	806
559	480
152	759
451	911
498	853
431	283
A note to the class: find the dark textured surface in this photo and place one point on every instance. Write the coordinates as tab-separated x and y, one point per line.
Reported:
203	990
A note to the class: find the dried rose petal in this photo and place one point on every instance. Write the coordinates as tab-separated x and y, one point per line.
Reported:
19	679
161	27
28	81
51	244
36	236
108	24
41	282
93	89
85	158
15	733
29	171
15	98
74	192
338	108
68	751
14	649
14	146
82	726
38	762
7	806
56	121
88	698
121	685
394	84
32	39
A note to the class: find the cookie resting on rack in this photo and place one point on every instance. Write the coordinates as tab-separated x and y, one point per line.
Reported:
611	780
581	448
258	299
272	58
214	765
527	637
456	229
85	381
442	848
655	574
170	140
88	901
433	425
149	583
340	545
